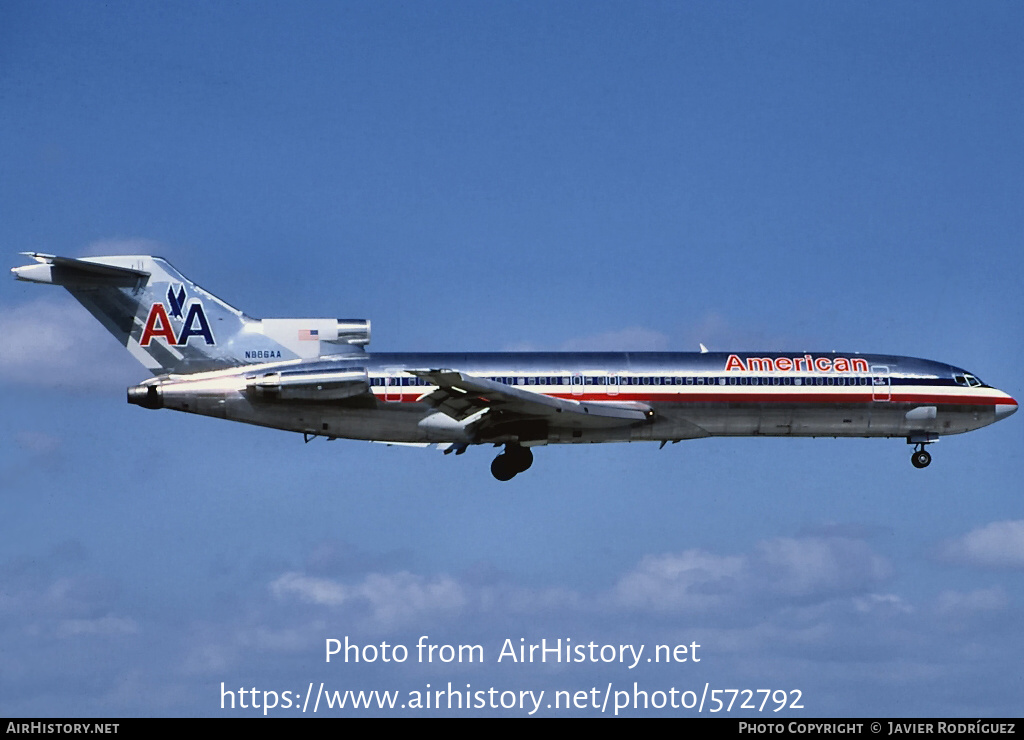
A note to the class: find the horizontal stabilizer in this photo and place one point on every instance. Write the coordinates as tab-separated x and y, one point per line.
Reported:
80	273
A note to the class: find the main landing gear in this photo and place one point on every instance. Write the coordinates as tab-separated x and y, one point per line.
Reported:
921	458
514	460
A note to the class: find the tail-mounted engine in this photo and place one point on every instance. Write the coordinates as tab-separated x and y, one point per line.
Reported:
310	385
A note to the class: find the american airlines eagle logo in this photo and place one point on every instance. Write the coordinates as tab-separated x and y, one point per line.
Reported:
159	324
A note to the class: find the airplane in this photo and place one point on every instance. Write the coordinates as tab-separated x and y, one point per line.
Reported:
315	377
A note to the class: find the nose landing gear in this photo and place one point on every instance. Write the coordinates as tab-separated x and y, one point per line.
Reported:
514	460
920	458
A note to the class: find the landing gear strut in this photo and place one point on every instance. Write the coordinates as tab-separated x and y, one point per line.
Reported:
514	460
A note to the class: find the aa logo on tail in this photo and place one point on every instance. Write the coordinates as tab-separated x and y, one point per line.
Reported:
158	323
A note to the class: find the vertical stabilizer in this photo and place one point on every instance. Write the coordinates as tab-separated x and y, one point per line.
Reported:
166	321
171	325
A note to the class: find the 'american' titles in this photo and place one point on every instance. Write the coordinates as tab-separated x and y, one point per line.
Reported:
807	363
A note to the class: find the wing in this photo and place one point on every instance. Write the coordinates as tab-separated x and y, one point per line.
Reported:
460	396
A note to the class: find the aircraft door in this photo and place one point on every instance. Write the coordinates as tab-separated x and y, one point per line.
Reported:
613	381
577	384
392	387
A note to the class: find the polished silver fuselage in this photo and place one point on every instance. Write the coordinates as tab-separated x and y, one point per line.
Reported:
690	395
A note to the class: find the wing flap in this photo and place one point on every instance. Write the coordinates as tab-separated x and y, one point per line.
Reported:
459	396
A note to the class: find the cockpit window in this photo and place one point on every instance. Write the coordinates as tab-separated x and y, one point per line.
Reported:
967	380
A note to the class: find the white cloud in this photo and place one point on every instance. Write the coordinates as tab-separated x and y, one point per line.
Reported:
815	568
810	569
997	545
322	591
54	342
389	600
689	581
882	604
814	565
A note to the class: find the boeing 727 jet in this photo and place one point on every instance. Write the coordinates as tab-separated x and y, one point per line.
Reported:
315	377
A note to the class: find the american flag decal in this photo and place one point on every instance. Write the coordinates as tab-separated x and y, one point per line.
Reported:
309	335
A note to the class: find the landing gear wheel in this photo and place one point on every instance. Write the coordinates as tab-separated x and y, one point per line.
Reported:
502	468
522	458
921	459
511	462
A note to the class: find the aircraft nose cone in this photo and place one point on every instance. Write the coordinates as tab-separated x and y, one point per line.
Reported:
1005	409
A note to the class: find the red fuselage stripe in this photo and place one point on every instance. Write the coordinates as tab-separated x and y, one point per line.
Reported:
792	399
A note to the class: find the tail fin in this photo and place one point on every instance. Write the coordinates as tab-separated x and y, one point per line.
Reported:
171	325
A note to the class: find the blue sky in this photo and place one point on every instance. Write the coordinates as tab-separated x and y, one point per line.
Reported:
789	176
